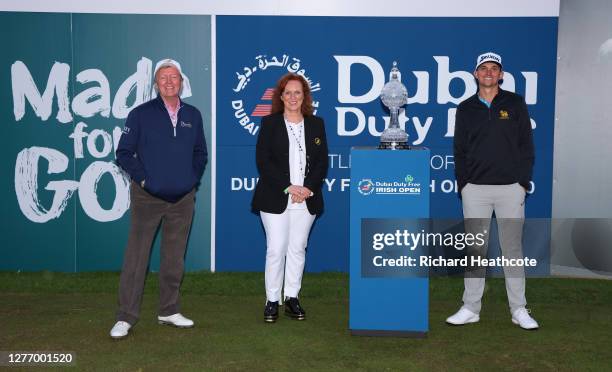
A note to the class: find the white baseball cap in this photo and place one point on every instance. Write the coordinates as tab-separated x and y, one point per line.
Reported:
167	63
488	57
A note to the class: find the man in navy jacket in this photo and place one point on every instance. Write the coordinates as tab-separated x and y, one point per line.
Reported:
163	149
494	156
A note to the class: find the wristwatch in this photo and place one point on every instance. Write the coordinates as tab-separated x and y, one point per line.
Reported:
142	183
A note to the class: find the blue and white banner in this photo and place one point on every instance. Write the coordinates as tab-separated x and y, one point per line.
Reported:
347	61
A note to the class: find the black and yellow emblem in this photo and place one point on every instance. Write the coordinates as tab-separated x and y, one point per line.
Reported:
317	141
503	114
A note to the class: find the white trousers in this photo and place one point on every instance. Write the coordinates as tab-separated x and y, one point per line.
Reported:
286	238
508	202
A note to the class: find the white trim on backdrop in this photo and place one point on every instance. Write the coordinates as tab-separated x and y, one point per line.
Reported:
213	146
364	8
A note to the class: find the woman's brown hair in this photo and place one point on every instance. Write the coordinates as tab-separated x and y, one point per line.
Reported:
277	103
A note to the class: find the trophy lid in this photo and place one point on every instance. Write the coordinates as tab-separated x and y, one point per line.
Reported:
395	73
394	94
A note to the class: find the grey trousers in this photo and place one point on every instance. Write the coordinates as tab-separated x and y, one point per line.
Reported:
508	202
147	212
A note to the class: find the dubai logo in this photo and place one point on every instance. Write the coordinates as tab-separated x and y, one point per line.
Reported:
261	89
503	114
365	186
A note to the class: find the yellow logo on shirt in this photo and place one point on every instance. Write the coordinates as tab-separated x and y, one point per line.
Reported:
503	114
317	141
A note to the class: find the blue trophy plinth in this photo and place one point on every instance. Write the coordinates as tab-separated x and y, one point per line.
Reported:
386	301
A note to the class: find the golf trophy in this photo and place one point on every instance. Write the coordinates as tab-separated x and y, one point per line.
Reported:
394	95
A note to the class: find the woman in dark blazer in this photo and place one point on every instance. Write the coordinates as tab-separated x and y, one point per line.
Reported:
292	162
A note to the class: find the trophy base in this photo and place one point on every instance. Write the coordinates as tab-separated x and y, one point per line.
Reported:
393	146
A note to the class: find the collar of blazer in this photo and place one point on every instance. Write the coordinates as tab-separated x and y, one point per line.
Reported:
309	132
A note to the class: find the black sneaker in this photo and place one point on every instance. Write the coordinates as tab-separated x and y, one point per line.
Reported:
293	309
271	312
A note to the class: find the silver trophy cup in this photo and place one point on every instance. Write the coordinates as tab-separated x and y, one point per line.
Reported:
394	95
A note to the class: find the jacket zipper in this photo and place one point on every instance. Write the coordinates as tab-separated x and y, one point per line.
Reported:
177	119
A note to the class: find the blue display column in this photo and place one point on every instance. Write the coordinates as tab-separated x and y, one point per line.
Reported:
386	185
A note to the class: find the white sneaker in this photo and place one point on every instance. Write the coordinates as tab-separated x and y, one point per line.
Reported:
120	330
463	316
522	318
176	320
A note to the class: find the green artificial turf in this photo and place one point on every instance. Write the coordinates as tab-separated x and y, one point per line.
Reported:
74	312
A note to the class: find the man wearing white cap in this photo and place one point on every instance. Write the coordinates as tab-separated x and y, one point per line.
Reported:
163	150
494	155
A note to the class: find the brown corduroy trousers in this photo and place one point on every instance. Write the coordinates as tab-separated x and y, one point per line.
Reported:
147	212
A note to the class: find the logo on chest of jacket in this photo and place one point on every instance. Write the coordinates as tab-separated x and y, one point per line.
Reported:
185	125
503	114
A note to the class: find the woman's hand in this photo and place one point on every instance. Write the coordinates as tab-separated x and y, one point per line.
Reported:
296	199
299	193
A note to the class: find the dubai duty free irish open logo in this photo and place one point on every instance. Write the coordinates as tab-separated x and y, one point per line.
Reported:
365	186
255	86
406	186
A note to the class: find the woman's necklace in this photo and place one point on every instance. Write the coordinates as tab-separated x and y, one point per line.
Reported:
297	138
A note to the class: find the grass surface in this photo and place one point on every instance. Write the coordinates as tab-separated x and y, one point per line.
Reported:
74	312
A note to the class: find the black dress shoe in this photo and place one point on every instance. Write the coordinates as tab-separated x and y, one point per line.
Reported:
271	312
293	309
